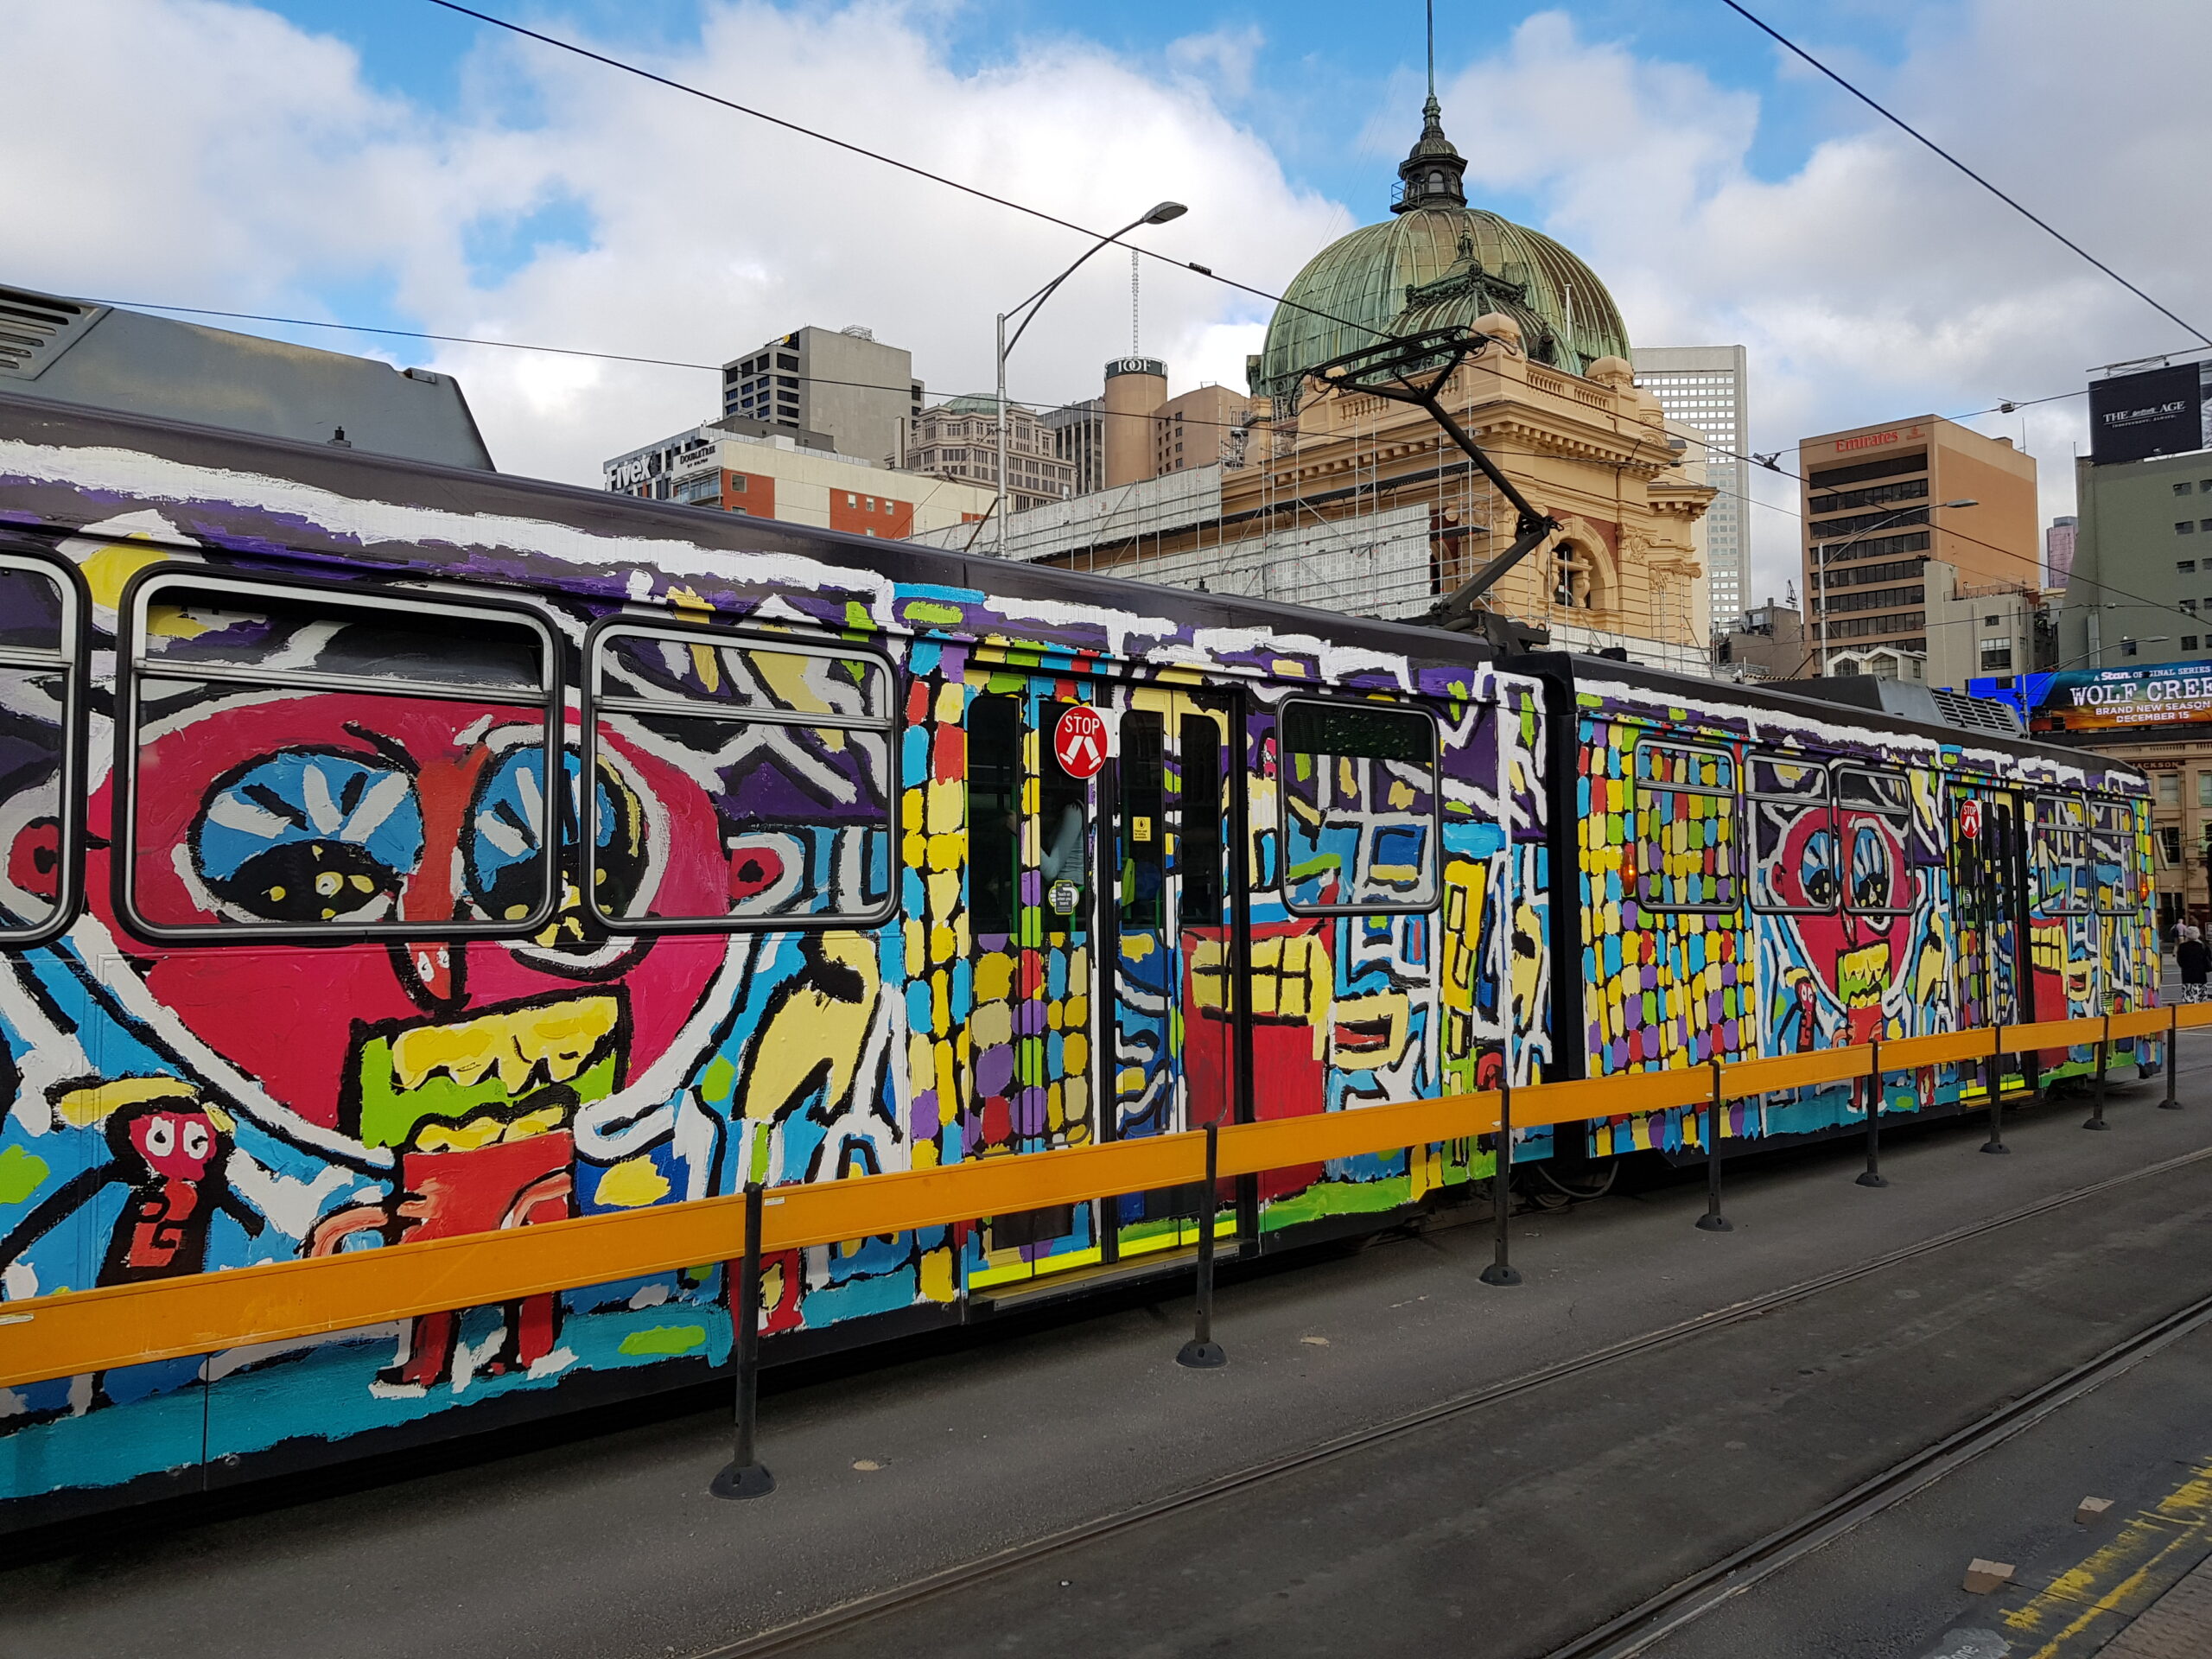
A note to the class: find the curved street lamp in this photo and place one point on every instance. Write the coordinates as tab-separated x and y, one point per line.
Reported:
1159	213
1828	550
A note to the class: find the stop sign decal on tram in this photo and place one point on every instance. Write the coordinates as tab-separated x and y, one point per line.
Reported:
1079	742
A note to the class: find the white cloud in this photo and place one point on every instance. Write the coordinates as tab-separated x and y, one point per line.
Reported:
207	153
210	153
1874	281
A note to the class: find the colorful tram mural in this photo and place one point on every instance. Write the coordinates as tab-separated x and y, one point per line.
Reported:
392	853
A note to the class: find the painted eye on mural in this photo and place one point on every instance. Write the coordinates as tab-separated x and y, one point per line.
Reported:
1870	869
505	832
197	1143
1816	870
309	836
160	1137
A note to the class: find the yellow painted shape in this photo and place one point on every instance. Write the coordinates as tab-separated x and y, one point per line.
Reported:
559	1038
108	570
633	1183
82	1107
2151	1551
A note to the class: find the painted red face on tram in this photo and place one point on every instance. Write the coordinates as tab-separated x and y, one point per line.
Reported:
319	809
1846	877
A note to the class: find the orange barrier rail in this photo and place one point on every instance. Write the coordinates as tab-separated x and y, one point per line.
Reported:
73	1333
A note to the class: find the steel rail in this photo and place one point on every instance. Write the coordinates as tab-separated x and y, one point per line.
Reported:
804	1632
1656	1617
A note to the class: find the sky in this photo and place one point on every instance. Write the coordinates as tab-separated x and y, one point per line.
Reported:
396	165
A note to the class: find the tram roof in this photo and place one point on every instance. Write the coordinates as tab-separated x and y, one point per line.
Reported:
1578	669
358	475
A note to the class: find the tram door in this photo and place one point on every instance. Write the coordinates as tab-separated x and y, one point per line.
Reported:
1035	749
1172	1053
1989	911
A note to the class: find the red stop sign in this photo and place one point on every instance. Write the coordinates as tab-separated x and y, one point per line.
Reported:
1079	742
1970	818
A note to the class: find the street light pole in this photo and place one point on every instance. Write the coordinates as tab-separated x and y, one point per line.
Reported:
1160	214
1829	548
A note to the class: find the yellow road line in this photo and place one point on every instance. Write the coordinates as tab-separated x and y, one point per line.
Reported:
2154	1550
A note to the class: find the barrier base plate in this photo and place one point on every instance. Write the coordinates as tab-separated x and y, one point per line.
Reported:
1202	1355
753	1480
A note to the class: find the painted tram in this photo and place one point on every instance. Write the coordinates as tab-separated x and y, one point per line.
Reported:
389	853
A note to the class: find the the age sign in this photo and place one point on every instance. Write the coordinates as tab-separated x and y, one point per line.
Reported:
1079	742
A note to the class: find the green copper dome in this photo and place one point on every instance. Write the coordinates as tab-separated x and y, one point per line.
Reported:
1435	262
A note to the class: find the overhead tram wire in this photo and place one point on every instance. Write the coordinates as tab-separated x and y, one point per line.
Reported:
1920	137
865	385
920	172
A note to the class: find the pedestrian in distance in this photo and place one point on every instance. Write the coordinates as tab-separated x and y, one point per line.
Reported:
2193	958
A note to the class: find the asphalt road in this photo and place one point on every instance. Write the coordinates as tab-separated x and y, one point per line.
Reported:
1498	1531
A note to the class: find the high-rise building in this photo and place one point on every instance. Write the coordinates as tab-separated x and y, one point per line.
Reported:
1136	388
1203	428
958	438
1079	438
1704	386
2058	551
2139	589
1875	505
841	383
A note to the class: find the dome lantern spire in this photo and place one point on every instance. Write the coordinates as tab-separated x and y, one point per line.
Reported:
1430	176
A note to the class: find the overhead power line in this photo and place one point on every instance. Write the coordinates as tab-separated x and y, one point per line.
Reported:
1913	133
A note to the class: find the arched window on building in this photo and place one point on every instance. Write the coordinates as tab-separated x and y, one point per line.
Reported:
1574	579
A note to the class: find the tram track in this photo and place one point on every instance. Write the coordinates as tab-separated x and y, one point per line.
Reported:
1646	1623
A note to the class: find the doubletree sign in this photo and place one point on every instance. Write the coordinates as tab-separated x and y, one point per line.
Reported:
2112	699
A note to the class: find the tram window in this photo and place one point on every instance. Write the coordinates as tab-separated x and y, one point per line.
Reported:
1201	833
1685	828
2058	852
394	784
1873	819
39	690
1062	832
737	782
1793	835
1359	805
1144	833
2113	888
993	812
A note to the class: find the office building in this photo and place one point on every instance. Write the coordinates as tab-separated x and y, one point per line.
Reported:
741	465
95	356
2058	551
2140	589
1079	438
958	438
1208	427
1706	387
841	383
1764	643
1136	388
1984	630
1872	500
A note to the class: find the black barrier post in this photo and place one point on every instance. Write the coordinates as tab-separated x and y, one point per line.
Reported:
1712	1221
2097	1089
1201	1352
2172	1102
746	1477
1996	1141
1501	1271
1873	1174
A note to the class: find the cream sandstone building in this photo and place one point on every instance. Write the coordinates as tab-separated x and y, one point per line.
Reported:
1374	486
